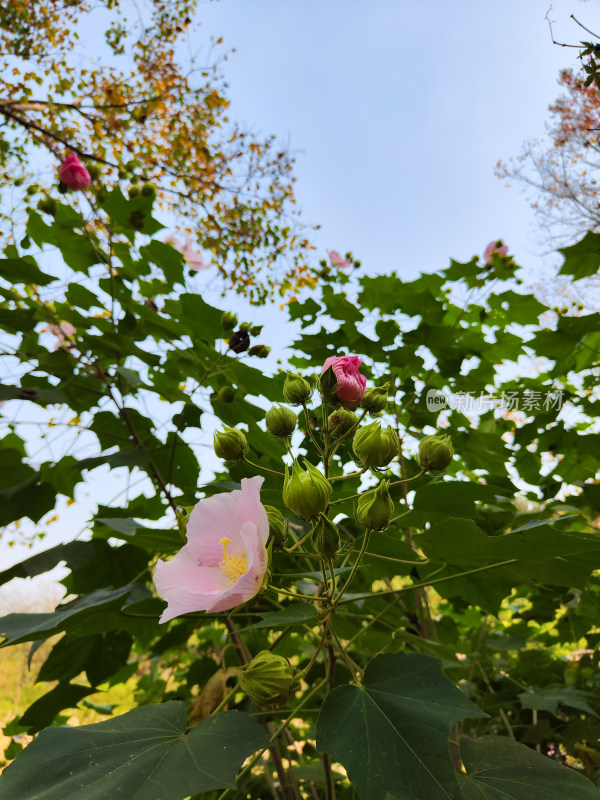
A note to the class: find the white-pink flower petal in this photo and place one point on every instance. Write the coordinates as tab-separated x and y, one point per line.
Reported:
225	559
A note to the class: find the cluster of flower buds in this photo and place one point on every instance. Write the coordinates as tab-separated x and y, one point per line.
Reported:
306	490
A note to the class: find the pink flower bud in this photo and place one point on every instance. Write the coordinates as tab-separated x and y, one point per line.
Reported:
494	248
73	174
337	260
351	384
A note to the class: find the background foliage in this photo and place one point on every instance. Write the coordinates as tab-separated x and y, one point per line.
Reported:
472	617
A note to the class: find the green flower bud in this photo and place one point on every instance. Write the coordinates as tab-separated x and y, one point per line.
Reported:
267	679
375	400
278	530
375	508
137	220
325	537
255	330
48	205
281	421
134	191
230	444
228	321
296	389
246	326
435	452
226	394
341	421
327	385
306	494
260	350
149	189
94	169
375	446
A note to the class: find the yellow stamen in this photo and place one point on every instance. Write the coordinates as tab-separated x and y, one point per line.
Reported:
233	566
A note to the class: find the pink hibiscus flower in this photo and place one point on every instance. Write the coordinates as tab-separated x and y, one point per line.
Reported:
194	259
225	559
73	174
494	248
351	384
64	331
337	260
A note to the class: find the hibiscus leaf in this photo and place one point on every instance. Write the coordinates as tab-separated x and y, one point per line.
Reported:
391	733
500	769
144	754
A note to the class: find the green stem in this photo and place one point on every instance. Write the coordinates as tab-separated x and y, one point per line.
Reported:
265	469
224	702
349	475
315	655
397	560
298	542
408	480
279	590
355	670
326	437
311	433
395	483
359	558
429	582
274	736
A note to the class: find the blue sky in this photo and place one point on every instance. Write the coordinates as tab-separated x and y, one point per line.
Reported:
399	111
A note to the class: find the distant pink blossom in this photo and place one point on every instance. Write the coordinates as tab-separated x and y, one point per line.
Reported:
337	260
494	248
73	174
193	258
225	559
64	330
351	384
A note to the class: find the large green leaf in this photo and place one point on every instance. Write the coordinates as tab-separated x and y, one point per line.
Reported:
500	769
23	270
75	554
41	713
391	733
142	755
583	258
548	700
97	612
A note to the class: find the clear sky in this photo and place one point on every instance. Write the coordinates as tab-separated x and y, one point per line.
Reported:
399	111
